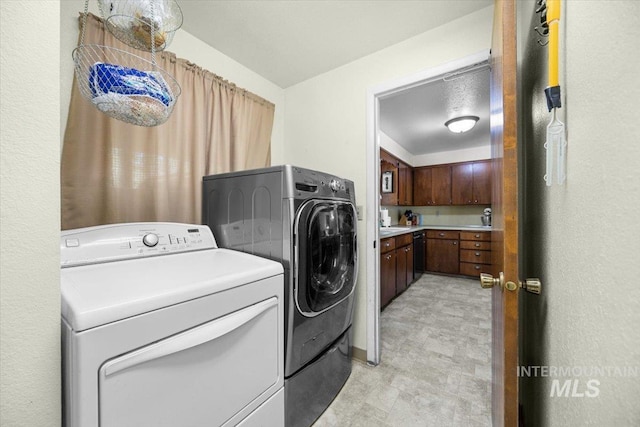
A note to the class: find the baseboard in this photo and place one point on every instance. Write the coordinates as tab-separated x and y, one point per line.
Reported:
359	354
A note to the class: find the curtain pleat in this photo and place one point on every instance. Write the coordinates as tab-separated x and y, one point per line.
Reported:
114	172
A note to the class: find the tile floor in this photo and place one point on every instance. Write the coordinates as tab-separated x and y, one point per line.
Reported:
435	366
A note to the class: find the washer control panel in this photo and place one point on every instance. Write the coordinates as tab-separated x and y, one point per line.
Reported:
318	184
116	242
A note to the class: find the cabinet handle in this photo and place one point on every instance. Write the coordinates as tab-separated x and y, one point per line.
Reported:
441	234
477	267
475	201
477	253
455	243
477	236
477	245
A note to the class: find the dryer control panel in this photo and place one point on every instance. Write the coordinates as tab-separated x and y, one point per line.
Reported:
117	242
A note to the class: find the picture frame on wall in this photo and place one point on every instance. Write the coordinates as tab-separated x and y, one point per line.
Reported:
387	182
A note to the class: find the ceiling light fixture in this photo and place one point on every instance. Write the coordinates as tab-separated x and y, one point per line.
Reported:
461	124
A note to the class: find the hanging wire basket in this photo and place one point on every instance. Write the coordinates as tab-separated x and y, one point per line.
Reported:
125	86
138	22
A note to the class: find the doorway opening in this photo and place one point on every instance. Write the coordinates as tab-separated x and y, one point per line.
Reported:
374	135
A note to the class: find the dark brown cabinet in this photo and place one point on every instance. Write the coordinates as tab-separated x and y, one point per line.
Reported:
387	271
404	263
471	183
405	184
432	186
388	165
401	177
443	254
396	266
475	253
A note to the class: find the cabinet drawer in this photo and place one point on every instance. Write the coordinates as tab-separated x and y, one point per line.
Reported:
387	245
442	234
484	236
476	246
479	257
404	239
473	269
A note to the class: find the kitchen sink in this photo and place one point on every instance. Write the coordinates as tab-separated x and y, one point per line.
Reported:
389	230
395	228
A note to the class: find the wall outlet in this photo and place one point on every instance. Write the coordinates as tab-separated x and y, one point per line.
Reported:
359	212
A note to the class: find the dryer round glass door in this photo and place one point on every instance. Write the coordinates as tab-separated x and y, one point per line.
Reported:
326	254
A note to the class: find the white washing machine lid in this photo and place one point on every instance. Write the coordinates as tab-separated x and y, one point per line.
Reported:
97	294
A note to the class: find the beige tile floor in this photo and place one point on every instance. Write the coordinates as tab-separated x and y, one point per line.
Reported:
435	367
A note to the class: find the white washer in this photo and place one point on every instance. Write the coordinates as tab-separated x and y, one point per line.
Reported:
162	328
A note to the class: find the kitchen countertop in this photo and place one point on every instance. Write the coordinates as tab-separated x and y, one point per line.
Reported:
397	230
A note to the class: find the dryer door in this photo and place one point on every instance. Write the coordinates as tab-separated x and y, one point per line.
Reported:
202	376
326	254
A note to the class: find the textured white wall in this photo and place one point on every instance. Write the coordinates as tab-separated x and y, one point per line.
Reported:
325	118
29	276
583	239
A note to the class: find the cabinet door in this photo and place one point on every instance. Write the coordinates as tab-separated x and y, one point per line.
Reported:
387	277
389	199
443	256
441	185
482	182
422	194
405	188
409	271
462	184
401	270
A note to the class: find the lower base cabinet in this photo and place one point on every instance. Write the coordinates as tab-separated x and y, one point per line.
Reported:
396	266
475	253
404	262
387	277
443	254
466	253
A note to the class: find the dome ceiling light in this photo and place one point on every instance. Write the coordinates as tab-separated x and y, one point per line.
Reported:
461	124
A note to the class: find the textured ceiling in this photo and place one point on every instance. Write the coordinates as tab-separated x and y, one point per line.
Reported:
288	42
291	41
414	118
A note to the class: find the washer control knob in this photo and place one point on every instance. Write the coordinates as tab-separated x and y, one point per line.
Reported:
150	240
334	185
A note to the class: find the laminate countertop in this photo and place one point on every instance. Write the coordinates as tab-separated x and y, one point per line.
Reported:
397	230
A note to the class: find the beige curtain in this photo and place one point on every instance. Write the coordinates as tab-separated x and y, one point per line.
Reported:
113	171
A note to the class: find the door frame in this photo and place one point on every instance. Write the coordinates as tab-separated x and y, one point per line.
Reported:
374	94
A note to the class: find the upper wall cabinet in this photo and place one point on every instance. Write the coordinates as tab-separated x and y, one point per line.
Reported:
388	179
467	183
471	183
432	185
396	186
405	184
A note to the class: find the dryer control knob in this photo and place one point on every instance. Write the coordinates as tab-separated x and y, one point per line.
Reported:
334	185
150	240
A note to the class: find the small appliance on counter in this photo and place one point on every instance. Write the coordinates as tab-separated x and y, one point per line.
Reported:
385	219
486	217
